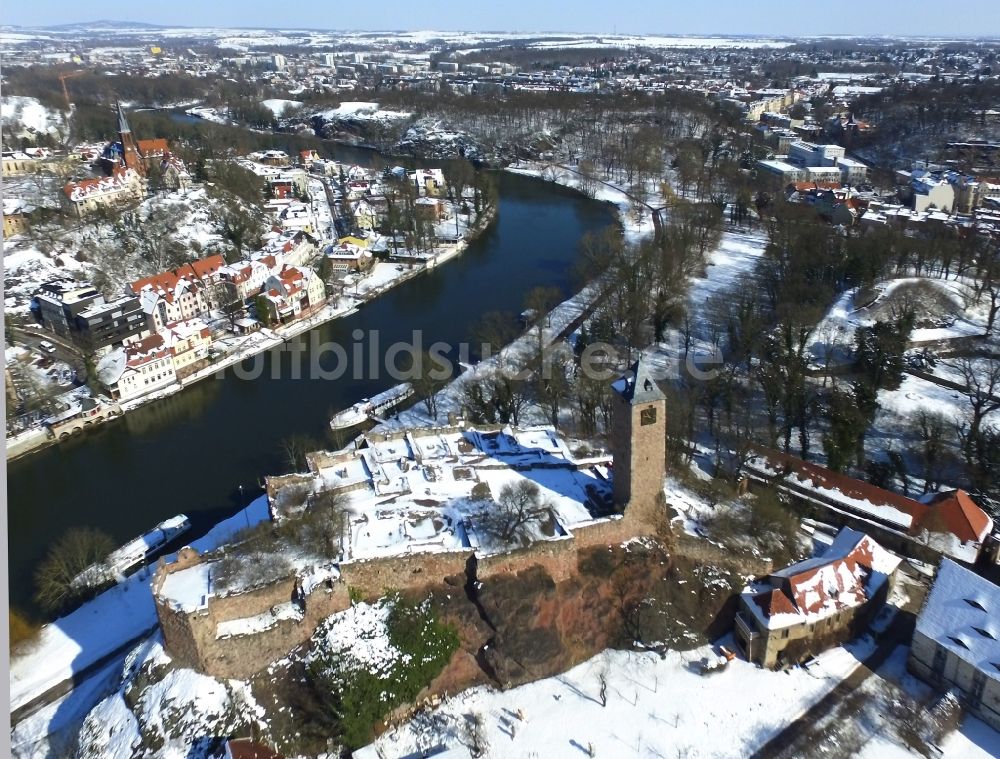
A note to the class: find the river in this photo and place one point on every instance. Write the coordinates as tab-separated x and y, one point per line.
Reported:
191	452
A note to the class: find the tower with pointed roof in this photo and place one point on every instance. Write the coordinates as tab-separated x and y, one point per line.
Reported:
638	438
130	156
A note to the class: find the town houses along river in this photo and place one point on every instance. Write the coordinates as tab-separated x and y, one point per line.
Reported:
204	451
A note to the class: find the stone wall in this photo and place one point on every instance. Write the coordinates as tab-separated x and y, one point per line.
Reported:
372	578
557	557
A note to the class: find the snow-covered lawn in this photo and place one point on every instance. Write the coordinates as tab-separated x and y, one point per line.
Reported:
836	331
655	707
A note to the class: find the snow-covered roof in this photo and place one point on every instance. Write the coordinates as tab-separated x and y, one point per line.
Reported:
86	188
111	367
962	613
637	385
951	514
847	575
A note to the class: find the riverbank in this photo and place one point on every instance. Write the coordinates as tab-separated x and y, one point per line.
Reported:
383	277
560	323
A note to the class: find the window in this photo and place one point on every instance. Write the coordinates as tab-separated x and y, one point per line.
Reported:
985	633
958	642
939	659
647	416
975	604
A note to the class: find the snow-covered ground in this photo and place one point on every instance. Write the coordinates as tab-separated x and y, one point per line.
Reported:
835	333
31	114
655	707
361	111
76	641
277	106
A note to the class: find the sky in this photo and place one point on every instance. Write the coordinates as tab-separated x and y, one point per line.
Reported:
748	17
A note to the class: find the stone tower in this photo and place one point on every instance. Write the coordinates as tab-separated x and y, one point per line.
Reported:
638	438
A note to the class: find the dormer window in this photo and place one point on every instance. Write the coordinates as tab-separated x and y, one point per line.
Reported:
958	642
975	604
985	633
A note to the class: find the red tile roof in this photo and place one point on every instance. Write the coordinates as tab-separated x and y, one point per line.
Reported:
961	515
954	512
157	146
774	602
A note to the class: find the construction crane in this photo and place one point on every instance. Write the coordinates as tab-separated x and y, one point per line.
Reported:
62	81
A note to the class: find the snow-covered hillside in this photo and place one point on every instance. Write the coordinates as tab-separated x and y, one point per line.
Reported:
30	116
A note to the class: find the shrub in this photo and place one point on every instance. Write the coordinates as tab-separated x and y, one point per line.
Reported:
22	630
361	696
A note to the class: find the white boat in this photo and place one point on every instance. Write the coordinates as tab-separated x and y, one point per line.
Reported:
371	408
132	554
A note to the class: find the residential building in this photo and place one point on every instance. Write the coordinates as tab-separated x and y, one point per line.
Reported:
345	256
16	215
247	279
105	325
429	182
121	188
956	643
297	217
365	217
134	370
180	294
289	293
814	604
57	304
188	342
16	162
930	192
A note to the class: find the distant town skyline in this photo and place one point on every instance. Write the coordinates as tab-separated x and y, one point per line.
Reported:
723	17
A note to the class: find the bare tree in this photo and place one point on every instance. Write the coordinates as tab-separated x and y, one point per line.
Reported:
57	586
517	508
981	380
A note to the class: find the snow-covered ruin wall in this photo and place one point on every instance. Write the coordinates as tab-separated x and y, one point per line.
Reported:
237	635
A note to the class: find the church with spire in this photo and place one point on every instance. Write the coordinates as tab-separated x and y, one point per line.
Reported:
126	164
126	152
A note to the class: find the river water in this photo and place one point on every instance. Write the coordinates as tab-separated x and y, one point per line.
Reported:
191	452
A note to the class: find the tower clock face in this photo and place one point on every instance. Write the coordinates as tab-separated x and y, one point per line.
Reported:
647	416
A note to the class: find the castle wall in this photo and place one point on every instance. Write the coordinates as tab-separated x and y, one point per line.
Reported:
557	557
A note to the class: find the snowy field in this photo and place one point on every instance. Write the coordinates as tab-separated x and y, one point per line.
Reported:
277	106
359	111
655	708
